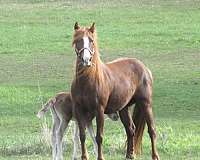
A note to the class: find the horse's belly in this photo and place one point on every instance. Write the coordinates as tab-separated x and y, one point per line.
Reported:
113	108
117	102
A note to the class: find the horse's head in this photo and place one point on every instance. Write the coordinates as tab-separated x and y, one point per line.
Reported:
83	42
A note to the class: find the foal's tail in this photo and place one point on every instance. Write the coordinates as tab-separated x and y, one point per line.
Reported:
46	107
139	121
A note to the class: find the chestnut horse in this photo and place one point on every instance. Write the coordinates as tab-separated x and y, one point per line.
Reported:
100	88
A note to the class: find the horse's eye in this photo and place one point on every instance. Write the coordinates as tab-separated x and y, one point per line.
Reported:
91	40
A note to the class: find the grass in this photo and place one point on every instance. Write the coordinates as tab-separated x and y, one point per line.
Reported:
37	61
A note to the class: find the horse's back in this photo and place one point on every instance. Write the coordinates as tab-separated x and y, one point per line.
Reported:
130	66
64	101
130	78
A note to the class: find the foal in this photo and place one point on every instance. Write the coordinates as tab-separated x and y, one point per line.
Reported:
61	109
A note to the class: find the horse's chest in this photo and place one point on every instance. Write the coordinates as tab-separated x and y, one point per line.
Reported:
86	100
85	106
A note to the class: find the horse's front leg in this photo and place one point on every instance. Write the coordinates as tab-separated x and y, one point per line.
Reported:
99	135
82	125
82	139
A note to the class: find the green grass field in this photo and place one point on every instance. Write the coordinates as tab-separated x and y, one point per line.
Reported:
37	61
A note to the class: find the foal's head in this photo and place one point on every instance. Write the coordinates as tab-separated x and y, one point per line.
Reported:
84	43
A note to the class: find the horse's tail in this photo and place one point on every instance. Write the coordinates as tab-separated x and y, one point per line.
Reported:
139	121
46	107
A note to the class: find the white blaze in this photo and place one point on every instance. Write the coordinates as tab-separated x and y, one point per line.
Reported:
86	52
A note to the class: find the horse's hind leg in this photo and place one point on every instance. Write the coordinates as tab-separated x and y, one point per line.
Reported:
146	104
130	131
151	130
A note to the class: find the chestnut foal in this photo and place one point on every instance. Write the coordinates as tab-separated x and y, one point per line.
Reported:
61	109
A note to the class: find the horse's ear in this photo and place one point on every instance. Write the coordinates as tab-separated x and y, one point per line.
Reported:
76	26
92	28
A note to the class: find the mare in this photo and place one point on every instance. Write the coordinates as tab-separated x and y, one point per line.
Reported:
100	88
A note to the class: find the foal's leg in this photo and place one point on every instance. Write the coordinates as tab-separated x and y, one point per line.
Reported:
76	141
130	130
99	135
92	135
56	123
59	135
151	127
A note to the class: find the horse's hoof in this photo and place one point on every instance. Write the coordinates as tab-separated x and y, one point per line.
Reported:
84	158
130	156
155	157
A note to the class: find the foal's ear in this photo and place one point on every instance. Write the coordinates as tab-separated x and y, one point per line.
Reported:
92	28
54	101
76	26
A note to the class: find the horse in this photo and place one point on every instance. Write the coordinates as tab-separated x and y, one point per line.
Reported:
111	87
61	109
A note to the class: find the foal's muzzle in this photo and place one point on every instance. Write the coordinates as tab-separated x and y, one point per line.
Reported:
113	116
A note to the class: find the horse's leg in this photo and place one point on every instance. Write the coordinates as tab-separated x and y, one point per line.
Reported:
151	128
81	124
130	130
82	135
59	134
92	135
76	141
99	135
56	123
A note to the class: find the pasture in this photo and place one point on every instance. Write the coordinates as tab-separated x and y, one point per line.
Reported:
37	61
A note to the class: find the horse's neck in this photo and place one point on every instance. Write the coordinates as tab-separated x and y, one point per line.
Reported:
91	74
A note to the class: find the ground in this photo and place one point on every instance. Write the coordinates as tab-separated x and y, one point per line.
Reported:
37	61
